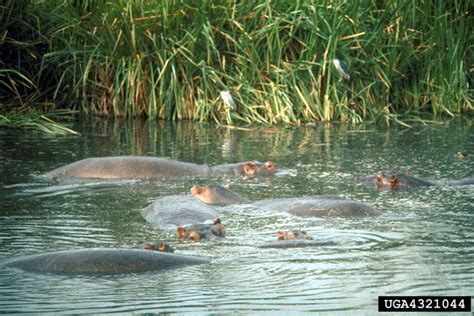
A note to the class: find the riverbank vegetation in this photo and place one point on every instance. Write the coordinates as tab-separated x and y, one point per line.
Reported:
170	59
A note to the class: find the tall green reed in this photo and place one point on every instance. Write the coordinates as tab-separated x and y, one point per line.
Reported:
169	59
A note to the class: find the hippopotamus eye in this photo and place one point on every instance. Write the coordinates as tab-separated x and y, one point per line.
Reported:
379	179
146	246
195	190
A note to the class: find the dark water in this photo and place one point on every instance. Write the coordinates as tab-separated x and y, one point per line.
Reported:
423	244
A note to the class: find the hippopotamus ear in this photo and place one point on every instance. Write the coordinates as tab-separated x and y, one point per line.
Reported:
196	190
250	169
182	232
217	221
394	181
194	235
165	248
146	246
281	235
379	179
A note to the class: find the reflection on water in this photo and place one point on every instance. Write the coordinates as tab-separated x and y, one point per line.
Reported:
421	245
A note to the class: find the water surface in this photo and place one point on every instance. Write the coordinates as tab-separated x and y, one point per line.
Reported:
423	244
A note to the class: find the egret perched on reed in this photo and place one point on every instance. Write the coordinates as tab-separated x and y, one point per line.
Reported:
341	68
228	100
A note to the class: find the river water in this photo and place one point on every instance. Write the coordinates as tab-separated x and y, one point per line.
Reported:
423	244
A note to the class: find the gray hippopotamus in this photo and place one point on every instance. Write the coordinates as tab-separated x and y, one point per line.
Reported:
153	245
101	261
318	206
142	167
196	232
295	239
401	179
296	243
293	234
189	215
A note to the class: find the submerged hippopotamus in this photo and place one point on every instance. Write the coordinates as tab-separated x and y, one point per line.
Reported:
196	232
293	234
296	243
153	245
142	167
318	206
401	179
101	261
295	239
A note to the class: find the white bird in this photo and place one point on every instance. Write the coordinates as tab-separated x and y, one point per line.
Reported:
227	98
341	68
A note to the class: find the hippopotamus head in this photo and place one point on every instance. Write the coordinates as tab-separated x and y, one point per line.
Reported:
391	180
153	245
388	179
216	195
293	234
460	155
394	180
202	231
266	169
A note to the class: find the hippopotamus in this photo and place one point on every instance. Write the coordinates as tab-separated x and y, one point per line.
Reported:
196	232
293	234
318	206
296	243
101	261
401	179
142	167
153	245
177	210
460	155
295	239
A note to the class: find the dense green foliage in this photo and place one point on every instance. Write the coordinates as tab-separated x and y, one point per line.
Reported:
169	59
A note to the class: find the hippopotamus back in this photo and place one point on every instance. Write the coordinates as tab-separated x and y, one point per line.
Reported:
128	167
178	210
101	261
319	206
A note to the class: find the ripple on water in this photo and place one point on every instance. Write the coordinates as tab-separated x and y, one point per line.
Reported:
421	245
